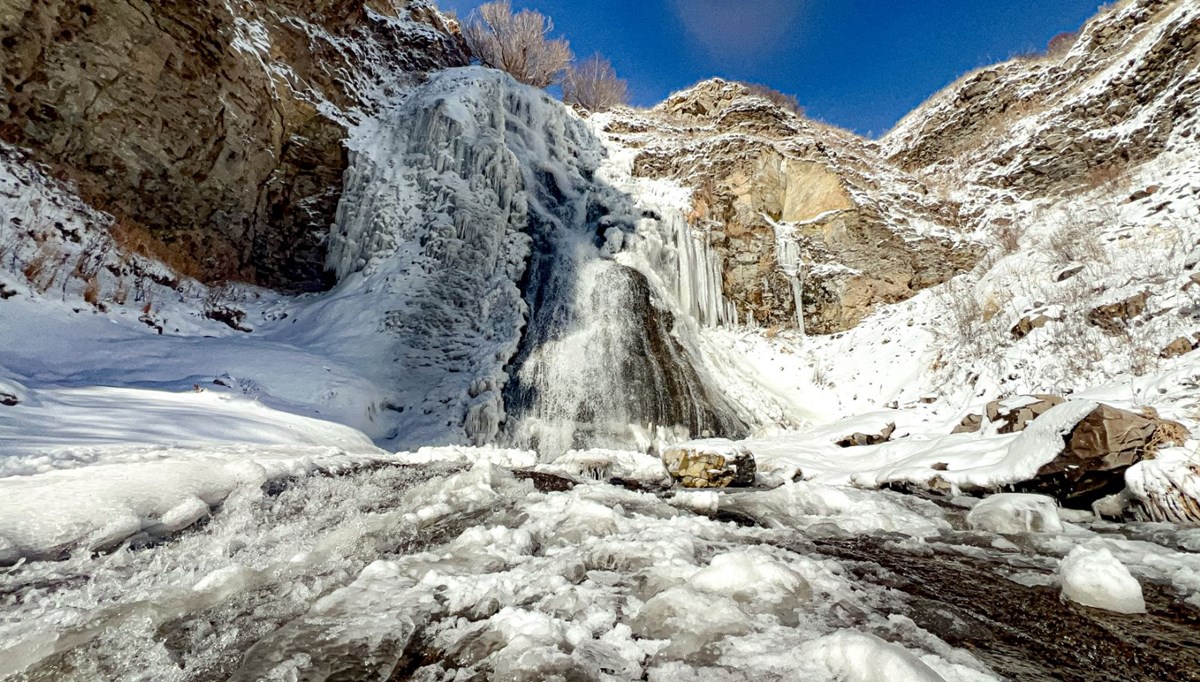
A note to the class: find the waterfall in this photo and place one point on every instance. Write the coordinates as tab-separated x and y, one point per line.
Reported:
521	300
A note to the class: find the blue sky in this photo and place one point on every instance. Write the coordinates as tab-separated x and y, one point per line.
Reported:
861	64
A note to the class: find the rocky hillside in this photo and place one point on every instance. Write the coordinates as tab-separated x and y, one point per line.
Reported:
1125	92
792	206
211	130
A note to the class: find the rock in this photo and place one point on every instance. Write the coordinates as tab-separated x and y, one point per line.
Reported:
971	423
710	464
1181	346
1068	272
546	483
177	118
860	439
1114	317
1017	412
1097	579
1098	451
1014	513
9	400
1027	324
1143	193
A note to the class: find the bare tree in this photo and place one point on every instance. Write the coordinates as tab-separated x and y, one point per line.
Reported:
593	85
517	43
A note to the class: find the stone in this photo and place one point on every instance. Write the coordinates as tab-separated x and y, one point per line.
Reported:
1181	346
1025	326
1098	451
1114	317
1068	272
1016	413
860	439
710	464
972	423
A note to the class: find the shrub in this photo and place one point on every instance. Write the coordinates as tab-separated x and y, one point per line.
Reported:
1062	43
517	43
789	102
593	85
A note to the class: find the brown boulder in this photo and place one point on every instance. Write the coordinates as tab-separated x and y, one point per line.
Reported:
1097	452
1114	317
1181	346
971	423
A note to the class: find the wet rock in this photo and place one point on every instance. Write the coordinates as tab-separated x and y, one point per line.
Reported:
1016	413
1098	451
860	439
711	464
546	483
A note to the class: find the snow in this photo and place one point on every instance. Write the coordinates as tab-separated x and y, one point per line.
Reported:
857	657
1015	513
1098	579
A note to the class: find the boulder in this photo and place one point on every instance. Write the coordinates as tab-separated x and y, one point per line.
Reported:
860	439
1016	413
710	464
1098	451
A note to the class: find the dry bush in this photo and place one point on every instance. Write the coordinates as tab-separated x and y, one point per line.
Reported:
1009	238
1107	177
91	291
1076	240
517	43
782	99
593	85
1062	43
134	238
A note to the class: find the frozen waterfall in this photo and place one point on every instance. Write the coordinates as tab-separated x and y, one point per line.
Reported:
474	228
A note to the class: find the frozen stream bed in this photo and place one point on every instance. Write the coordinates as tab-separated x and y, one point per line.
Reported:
382	571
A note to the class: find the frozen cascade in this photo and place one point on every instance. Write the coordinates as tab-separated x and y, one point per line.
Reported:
473	223
791	263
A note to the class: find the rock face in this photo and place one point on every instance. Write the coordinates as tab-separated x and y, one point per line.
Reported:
713	464
796	209
212	131
1124	92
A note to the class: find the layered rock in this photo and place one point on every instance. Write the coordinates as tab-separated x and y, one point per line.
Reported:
212	131
796	210
710	464
1125	91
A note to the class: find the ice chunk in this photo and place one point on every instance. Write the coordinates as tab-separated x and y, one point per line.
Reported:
1094	577
852	656
689	620
757	581
1013	513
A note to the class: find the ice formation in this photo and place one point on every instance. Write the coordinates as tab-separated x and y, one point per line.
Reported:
474	218
1012	513
1096	578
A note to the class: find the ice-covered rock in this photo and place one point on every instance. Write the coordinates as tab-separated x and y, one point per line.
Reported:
1094	577
852	656
710	464
1013	513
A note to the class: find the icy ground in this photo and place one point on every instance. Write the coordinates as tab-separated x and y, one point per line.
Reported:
439	568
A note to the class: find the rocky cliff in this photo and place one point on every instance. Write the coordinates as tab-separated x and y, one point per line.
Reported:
796	209
212	131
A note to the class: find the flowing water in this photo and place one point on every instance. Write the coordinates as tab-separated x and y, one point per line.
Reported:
414	573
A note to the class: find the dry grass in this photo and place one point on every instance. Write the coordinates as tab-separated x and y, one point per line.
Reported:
136	239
